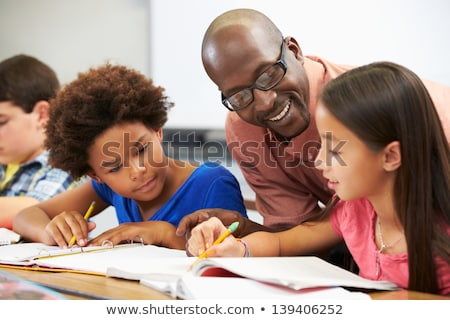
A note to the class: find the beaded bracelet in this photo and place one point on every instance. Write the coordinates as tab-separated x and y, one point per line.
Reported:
247	250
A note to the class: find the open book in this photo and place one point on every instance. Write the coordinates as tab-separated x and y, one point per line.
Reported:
282	276
263	277
167	270
293	272
193	287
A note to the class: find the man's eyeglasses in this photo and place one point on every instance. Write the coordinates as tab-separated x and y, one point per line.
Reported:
266	81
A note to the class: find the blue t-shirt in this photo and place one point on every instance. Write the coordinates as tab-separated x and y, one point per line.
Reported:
209	186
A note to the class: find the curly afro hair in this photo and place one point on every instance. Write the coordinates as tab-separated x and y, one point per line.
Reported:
96	101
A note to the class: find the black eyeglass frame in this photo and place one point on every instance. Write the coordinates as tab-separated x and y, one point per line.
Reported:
280	63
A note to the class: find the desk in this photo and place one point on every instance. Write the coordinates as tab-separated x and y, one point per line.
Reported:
84	286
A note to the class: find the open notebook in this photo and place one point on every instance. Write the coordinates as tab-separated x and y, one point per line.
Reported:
167	270
38	254
193	287
80	259
271	277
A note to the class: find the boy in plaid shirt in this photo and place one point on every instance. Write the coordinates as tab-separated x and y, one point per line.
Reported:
26	86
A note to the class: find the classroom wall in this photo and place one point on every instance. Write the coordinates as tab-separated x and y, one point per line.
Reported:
72	36
162	39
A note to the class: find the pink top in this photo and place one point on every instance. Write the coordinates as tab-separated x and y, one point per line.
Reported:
286	184
355	222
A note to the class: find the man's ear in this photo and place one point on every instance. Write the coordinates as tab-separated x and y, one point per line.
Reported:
392	156
41	110
94	177
292	45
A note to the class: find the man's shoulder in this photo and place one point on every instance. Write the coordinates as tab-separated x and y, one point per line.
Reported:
327	69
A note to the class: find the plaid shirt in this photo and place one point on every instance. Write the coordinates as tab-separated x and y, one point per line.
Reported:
38	180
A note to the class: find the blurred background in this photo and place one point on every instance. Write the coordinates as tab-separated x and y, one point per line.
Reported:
162	39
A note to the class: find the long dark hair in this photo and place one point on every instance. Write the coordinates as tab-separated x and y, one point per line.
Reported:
384	102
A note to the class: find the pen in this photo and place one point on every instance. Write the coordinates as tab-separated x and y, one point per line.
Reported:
232	228
86	217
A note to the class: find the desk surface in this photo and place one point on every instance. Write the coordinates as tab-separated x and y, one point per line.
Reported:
84	286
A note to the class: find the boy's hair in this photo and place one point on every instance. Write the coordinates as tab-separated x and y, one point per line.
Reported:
96	101
384	102
24	80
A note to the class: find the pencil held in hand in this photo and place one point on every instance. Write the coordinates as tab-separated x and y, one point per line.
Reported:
86	217
232	228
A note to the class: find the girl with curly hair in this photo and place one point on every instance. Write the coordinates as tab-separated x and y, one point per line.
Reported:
107	124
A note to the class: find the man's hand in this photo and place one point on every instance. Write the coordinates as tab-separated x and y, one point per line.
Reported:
226	216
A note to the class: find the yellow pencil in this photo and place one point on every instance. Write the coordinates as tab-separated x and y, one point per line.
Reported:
86	217
232	228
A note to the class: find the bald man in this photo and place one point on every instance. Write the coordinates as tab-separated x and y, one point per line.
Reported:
271	90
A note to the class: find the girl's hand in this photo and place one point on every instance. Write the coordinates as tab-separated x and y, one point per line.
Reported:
160	233
226	216
61	228
203	236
